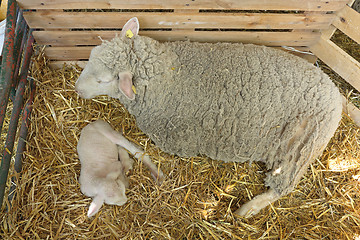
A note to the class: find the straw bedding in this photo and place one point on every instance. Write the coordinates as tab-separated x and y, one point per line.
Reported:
195	201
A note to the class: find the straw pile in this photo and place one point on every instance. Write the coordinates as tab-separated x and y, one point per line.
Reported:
196	200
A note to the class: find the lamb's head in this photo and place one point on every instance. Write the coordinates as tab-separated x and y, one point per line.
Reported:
114	192
111	190
108	70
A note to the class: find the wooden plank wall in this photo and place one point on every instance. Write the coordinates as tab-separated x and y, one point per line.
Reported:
306	5
347	20
71	28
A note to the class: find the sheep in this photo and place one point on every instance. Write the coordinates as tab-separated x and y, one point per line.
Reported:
102	175
229	101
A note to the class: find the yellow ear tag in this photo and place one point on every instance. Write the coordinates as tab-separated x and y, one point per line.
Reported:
133	88
129	34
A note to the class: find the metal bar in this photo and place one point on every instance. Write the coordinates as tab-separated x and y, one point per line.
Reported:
8	60
24	126
15	115
19	42
22	137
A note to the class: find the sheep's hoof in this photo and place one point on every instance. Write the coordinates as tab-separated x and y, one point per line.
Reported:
249	209
254	206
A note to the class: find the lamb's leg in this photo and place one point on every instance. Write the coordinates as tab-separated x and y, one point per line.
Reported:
139	154
257	203
125	159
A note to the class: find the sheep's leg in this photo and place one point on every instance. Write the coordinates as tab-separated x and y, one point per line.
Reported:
257	203
308	141
261	201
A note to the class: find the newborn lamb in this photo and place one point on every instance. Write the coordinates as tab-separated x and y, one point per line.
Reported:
102	175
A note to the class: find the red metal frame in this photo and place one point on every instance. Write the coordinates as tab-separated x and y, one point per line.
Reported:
17	51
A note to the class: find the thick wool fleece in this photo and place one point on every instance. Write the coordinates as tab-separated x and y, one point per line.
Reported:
231	102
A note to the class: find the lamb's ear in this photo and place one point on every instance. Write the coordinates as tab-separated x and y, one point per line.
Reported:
95	205
125	85
131	28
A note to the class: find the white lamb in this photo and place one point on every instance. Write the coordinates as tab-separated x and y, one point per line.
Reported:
102	175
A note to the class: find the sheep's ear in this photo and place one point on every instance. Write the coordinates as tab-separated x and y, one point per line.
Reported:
126	85
131	28
95	205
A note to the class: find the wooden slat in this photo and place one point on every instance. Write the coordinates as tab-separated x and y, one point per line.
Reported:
67	53
341	62
351	110
327	33
185	11
83	38
348	21
83	53
60	64
308	5
105	20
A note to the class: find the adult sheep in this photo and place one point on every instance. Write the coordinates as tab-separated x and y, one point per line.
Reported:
231	102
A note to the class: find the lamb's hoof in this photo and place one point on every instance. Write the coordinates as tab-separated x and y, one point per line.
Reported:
128	166
159	177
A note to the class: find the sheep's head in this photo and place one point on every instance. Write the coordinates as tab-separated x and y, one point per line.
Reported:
98	78
108	70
